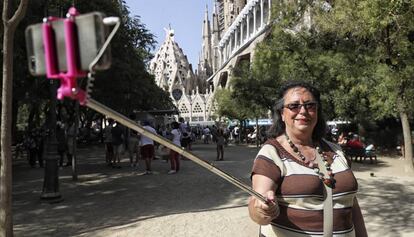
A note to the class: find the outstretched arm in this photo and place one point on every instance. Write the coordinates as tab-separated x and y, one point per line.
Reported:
260	212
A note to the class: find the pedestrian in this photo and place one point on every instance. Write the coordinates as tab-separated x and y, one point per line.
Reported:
147	147
220	141
236	134
214	134
109	149
133	145
297	170
71	139
206	135
61	139
117	142
31	146
185	134
174	156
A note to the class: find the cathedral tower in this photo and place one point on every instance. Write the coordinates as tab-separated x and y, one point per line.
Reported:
171	69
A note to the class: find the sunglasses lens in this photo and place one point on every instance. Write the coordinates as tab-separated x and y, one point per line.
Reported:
296	107
293	107
310	106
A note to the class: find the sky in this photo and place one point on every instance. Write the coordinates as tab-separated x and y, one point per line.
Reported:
185	17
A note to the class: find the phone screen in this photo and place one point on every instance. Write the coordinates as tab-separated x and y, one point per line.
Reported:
91	34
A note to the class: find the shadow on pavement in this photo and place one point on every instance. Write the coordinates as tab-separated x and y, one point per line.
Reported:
104	197
389	205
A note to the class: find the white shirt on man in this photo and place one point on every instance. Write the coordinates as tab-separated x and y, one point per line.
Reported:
145	140
176	137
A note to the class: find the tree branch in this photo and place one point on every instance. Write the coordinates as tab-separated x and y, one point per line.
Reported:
19	14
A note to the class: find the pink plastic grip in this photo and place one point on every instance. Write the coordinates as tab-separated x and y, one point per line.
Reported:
68	80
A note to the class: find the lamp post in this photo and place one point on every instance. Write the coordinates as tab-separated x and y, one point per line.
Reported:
50	192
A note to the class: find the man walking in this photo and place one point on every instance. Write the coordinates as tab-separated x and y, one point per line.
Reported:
117	142
147	147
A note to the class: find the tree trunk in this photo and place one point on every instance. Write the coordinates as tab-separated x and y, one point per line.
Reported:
408	148
6	218
257	132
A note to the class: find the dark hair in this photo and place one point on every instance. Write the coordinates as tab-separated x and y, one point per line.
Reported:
175	125
278	127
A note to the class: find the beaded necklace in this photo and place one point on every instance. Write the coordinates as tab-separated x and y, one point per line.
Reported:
330	181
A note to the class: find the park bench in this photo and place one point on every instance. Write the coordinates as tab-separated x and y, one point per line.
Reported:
361	154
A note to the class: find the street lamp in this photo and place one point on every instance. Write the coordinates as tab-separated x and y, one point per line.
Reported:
50	190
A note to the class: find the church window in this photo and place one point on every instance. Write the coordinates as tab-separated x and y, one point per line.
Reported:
197	108
183	108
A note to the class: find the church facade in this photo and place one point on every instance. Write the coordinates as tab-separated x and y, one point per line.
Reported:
231	35
174	74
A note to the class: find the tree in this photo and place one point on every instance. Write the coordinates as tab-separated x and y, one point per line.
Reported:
386	30
9	28
248	98
227	107
248	94
125	87
359	53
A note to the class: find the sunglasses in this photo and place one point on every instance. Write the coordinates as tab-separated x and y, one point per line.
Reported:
296	107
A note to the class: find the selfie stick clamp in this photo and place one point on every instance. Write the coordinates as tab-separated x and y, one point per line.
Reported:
68	80
70	89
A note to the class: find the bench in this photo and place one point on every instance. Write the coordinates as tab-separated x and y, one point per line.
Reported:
360	154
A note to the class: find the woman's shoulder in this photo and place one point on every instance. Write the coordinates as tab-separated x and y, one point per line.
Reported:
270	153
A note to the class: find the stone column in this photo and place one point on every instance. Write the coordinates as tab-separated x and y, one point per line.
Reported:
261	13
254	19
241	32
269	10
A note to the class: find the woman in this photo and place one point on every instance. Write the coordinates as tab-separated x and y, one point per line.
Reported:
174	156
287	173
220	144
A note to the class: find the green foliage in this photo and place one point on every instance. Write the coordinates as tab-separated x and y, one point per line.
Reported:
358	53
384	29
227	107
249	94
125	87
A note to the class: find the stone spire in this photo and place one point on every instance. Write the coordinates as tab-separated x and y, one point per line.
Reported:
215	39
206	53
171	69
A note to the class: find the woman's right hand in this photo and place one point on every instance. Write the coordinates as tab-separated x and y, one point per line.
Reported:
264	213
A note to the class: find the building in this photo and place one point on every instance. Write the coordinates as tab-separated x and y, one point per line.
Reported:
174	74
236	28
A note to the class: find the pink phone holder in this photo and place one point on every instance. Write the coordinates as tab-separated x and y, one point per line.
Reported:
68	80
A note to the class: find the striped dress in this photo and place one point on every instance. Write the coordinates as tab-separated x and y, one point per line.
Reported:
300	192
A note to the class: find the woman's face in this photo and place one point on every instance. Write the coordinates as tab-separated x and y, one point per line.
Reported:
300	111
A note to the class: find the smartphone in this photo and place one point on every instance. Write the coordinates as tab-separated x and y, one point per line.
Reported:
91	34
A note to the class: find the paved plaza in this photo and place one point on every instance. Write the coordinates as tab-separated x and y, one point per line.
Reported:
194	202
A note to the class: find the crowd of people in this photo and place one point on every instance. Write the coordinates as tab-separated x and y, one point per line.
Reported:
353	143
119	140
34	144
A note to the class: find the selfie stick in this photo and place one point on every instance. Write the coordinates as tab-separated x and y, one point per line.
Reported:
70	89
